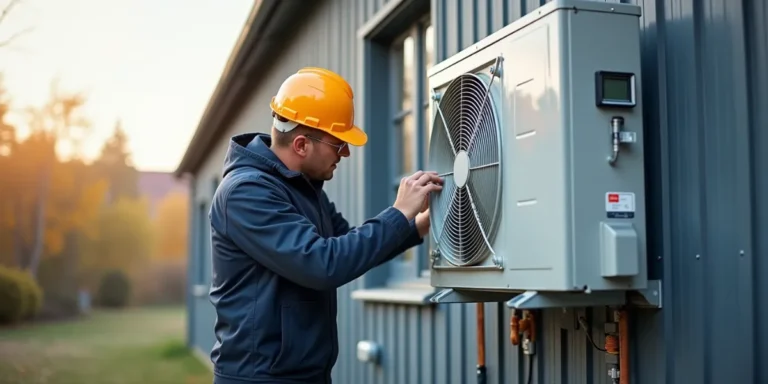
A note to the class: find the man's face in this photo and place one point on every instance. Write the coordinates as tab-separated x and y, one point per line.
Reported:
323	155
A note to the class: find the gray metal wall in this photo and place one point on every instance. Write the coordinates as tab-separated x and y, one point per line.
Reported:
706	98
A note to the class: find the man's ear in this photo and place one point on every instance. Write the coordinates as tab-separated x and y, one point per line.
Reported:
300	145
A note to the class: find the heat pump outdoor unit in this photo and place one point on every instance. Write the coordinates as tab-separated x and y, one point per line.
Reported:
537	130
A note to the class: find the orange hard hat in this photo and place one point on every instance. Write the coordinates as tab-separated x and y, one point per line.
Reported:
320	99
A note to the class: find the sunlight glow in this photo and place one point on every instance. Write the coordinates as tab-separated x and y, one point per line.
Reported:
151	64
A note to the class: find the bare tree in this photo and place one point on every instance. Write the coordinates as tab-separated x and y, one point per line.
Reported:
5	42
59	120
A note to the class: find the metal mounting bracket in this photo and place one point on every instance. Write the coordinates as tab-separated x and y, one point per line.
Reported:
645	298
541	300
462	296
649	297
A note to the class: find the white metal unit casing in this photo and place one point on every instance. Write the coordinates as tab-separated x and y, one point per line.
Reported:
564	216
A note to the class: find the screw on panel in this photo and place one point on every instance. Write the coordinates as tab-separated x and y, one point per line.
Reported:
435	255
497	261
496	67
698	256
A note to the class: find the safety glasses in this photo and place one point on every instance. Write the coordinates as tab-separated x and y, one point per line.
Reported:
339	147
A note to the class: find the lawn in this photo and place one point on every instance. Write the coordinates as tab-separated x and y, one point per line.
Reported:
141	346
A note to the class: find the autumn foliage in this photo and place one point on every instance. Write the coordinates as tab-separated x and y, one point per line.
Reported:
68	222
171	227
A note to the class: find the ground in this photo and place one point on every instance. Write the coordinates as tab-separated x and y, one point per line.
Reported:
141	346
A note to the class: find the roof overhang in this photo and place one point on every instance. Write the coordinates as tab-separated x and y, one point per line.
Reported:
267	31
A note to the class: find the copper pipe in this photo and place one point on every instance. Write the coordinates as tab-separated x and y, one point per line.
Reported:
514	328
481	377
480	335
528	324
624	371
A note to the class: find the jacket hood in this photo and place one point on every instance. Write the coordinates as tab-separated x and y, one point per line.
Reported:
251	150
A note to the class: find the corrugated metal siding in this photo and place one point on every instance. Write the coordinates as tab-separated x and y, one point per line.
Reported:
706	101
706	93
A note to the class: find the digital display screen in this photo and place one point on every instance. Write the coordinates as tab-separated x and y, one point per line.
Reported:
615	88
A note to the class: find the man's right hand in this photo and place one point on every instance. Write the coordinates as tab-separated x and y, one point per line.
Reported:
414	191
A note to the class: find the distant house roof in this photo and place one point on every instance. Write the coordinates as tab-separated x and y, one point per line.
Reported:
271	24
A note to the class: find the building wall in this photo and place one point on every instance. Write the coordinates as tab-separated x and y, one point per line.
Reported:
704	94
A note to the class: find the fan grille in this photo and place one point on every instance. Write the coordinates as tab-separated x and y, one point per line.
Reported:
464	213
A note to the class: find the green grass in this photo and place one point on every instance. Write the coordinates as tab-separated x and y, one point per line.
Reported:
141	346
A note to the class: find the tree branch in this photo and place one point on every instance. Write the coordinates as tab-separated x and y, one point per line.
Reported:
7	9
3	15
9	41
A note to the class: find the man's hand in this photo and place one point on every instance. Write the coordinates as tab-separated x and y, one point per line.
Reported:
423	223
414	191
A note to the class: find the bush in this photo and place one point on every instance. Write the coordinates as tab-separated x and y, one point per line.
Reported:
21	298
114	290
33	294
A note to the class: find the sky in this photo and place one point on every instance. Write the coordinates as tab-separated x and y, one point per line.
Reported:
152	64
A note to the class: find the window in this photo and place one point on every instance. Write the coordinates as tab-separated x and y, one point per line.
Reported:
200	254
411	55
398	48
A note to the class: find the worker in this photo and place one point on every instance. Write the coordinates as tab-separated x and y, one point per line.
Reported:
280	247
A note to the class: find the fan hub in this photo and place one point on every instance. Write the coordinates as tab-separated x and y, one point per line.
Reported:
461	169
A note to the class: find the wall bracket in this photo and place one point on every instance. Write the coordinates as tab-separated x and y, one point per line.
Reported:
540	300
649	297
461	296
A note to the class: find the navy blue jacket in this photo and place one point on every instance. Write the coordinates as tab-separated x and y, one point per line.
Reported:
280	250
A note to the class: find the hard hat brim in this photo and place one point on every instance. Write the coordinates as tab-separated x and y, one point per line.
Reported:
354	136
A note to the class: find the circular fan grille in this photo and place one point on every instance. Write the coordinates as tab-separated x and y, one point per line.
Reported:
465	149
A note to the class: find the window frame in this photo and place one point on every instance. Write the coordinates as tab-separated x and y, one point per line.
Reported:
417	266
395	281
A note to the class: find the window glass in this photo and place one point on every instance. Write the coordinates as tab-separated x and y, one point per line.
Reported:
407	72
408	142
429	61
407	126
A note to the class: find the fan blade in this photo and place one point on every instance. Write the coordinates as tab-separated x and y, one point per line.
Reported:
484	112
441	153
462	241
473	109
442	125
483	187
440	205
485	142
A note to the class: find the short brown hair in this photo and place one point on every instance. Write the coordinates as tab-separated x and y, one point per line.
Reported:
284	139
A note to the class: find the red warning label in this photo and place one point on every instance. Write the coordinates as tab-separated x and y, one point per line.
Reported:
620	205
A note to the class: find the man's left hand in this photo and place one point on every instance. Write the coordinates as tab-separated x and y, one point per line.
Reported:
422	223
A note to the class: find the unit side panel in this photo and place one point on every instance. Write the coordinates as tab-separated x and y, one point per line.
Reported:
605	42
534	175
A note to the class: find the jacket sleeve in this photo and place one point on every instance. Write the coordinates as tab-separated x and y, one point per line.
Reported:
264	224
412	240
341	226
340	223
